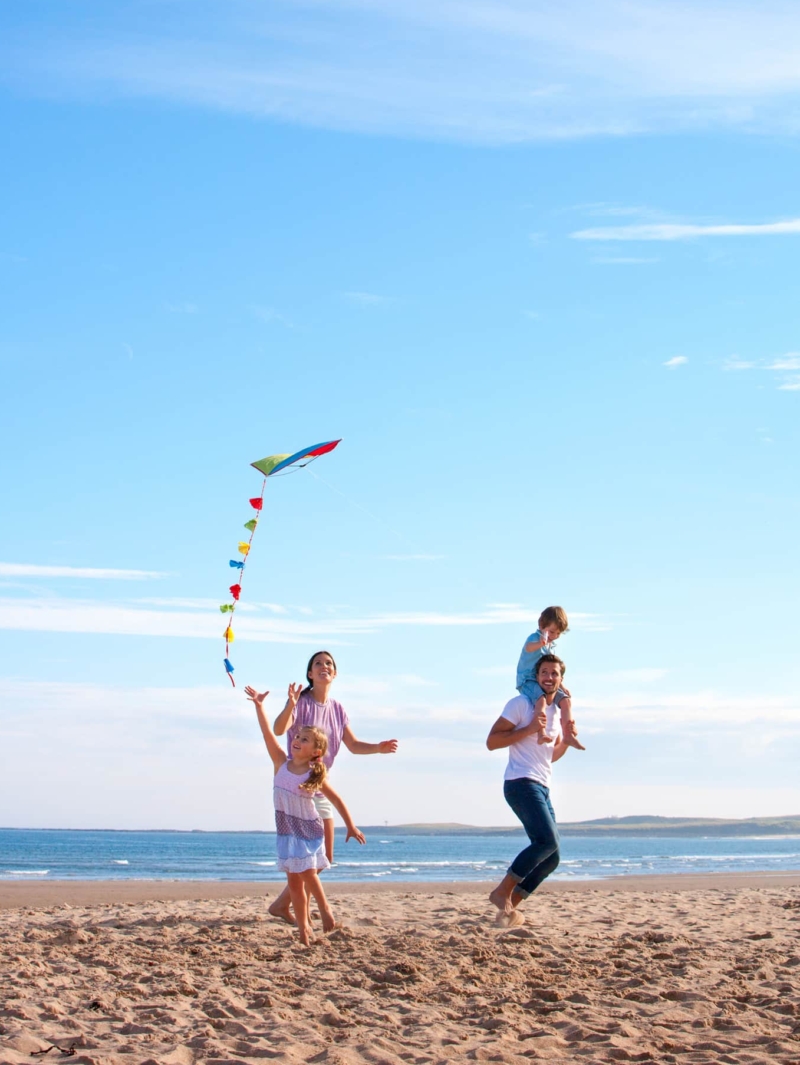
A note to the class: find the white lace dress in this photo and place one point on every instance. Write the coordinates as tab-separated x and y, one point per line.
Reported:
301	837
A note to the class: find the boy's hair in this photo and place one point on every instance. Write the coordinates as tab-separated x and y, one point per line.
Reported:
311	663
318	768
554	615
550	658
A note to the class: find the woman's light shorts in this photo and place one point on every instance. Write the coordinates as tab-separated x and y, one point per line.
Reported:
324	807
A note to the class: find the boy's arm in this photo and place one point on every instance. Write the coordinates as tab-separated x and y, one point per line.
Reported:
355	746
504	733
338	803
285	718
274	749
534	643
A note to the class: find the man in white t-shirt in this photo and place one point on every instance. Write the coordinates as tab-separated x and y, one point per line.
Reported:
527	787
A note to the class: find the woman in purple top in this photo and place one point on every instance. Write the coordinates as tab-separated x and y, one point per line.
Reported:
313	705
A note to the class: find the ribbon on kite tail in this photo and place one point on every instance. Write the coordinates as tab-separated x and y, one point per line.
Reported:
269	466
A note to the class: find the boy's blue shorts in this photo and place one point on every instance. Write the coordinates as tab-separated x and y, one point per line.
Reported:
533	691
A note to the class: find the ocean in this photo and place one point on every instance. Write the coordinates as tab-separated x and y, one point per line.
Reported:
48	854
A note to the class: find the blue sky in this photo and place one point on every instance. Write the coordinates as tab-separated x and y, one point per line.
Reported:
536	265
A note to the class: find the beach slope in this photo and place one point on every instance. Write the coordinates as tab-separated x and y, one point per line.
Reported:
663	971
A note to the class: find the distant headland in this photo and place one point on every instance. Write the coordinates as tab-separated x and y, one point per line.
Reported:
634	825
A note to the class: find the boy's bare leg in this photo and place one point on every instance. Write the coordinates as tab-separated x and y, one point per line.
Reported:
326	913
569	730
297	890
282	907
538	707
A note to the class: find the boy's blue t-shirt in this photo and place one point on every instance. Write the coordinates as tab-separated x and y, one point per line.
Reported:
526	667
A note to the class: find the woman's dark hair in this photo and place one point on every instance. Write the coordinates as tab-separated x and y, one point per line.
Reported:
316	654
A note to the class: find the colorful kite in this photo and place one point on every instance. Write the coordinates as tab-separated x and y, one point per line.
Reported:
270	466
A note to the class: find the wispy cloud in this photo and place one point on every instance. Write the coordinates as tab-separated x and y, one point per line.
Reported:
675	362
413	558
138	619
456	70
672	231
787	367
24	569
182	308
367	299
271	316
622	260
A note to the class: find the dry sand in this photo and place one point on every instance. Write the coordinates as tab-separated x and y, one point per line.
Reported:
683	969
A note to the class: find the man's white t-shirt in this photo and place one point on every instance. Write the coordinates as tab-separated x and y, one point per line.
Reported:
529	758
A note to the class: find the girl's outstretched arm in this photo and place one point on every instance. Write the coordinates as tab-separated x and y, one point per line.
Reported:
355	746
285	718
338	802
276	752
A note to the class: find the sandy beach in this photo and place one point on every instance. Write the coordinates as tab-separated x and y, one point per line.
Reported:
683	969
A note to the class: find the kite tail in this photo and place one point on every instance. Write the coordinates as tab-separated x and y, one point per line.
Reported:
257	503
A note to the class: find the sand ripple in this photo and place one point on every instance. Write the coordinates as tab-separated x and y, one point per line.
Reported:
699	977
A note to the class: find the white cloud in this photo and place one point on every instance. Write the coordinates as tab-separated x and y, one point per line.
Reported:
622	260
466	70
787	365
413	558
270	315
131	619
677	360
671	231
182	308
736	364
18	569
627	710
786	362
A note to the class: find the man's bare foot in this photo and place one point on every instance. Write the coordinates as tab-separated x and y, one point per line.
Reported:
305	937
502	901
510	920
544	738
283	913
572	741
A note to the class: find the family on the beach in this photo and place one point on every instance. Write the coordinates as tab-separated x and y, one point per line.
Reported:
317	725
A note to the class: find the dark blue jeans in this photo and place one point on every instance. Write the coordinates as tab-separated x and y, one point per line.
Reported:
531	803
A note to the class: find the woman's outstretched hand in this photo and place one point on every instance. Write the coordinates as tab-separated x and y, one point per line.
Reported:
387	746
293	695
355	833
255	697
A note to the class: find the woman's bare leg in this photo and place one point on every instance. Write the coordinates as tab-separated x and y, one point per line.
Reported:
326	913
282	907
327	826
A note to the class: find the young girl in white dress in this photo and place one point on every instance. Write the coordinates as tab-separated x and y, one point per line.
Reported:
300	834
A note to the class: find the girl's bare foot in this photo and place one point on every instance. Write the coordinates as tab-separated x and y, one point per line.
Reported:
544	738
281	911
305	936
572	741
328	920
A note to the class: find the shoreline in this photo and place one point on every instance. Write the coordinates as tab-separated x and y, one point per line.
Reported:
34	894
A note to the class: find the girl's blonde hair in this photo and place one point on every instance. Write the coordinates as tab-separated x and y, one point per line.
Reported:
318	768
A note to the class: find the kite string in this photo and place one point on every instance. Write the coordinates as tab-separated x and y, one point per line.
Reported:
364	510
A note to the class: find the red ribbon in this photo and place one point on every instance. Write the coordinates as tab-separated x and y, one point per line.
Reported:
235	590
256	504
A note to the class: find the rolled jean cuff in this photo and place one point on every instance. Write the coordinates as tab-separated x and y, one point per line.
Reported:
515	876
